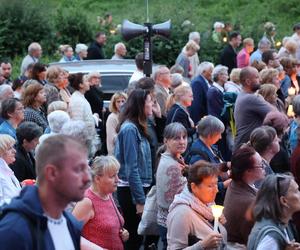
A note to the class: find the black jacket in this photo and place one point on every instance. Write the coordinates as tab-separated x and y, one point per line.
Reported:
228	58
95	51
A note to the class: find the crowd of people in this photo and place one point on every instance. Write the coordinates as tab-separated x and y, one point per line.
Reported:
173	146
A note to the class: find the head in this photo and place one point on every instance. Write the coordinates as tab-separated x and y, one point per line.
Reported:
202	181
68	51
270	29
35	50
62	168
235	75
54	74
39	71
264	140
246	165
120	49
100	38
139	61
28	134
270	58
81	50
277	199
117	101
205	69
259	65
249	78
264	44
76	82
175	138
210	129
278	120
34	95
105	174
57	105
271	76
177	80
162	76
184	95
6	69
296	28
291	46
7	150
248	44
218	26
146	83
176	68
289	65
191	48
94	78
57	119
235	39
6	92
220	74
12	109
268	92
296	105
195	36
17	85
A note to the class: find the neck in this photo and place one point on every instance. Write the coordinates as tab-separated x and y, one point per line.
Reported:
14	123
249	91
82	91
175	155
205	141
100	193
267	156
51	203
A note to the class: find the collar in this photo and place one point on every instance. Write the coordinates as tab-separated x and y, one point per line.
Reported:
218	86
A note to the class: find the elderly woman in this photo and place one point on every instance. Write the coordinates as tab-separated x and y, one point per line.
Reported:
103	223
68	53
169	178
190	218
116	102
12	111
210	130
234	84
265	141
280	163
288	49
276	202
246	169
33	100
81	51
28	134
9	184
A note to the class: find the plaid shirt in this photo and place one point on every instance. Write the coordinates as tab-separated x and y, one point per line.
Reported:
37	116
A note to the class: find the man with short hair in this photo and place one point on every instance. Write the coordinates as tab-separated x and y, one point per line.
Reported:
270	58
250	108
120	51
200	86
36	218
263	45
6	70
243	57
139	72
95	51
228	55
34	54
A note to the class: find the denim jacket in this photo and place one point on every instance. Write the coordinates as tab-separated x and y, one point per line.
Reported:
133	152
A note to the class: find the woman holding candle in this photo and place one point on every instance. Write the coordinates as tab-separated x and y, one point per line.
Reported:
190	220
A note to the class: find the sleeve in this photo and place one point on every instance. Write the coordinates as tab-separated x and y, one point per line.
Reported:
182	118
214	102
263	108
111	125
197	108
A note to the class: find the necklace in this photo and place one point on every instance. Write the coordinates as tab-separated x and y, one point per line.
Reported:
55	221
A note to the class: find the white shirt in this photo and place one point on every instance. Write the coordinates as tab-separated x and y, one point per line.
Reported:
269	242
137	75
60	234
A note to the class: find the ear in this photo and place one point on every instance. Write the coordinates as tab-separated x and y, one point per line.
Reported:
283	201
165	140
193	187
51	172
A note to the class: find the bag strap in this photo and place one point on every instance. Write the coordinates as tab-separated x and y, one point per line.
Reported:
172	120
116	211
264	231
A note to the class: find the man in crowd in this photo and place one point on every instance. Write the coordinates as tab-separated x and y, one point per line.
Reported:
120	51
36	219
95	51
200	86
34	54
263	45
250	108
228	55
6	70
139	72
243	57
270	58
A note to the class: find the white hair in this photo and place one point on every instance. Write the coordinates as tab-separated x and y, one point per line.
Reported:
57	119
176	80
195	35
264	42
218	70
117	46
5	89
80	47
92	74
33	46
219	25
204	66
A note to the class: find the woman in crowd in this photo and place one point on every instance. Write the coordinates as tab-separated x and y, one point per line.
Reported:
179	101
116	102
190	218
268	92
38	73
103	223
169	176
33	100
294	132
132	150
276	202
265	142
81	51
246	169
9	184
234	85
68	54
288	49
12	111
280	163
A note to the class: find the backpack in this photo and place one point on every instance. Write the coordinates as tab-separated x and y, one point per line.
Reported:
229	99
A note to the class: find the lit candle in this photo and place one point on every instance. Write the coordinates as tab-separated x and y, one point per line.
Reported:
217	212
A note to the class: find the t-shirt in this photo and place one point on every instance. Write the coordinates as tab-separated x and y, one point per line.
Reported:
250	111
60	234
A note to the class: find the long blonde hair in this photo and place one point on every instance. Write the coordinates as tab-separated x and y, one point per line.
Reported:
177	94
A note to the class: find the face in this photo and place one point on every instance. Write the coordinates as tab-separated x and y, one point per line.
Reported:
249	48
30	145
120	102
275	147
42	75
37	52
237	41
83	53
101	39
122	50
207	74
187	98
95	80
207	190
165	77
276	81
108	182
292	198
6	70
222	78
10	155
254	81
177	145
257	172
85	86
72	178
41	97
18	114
214	138
275	62
148	106
69	52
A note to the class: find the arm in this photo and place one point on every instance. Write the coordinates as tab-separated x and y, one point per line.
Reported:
84	210
182	118
111	125
88	245
198	107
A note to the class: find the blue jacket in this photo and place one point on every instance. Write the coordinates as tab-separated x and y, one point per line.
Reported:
15	232
215	102
133	152
7	128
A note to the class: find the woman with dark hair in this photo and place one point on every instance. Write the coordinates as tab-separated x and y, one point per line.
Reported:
190	218
276	202
38	73
169	178
132	150
246	169
33	99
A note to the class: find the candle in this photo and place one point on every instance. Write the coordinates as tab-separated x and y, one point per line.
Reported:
217	212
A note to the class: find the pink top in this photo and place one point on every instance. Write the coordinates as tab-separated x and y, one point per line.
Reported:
104	228
243	59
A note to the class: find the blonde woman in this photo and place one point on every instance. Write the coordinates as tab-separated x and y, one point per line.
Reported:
103	224
116	102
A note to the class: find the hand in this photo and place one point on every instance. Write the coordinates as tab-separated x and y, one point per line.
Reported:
293	246
213	240
139	209
124	234
227	182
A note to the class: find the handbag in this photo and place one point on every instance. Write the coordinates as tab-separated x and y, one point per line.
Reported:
148	224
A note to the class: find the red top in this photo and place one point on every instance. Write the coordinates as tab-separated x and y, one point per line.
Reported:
104	228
